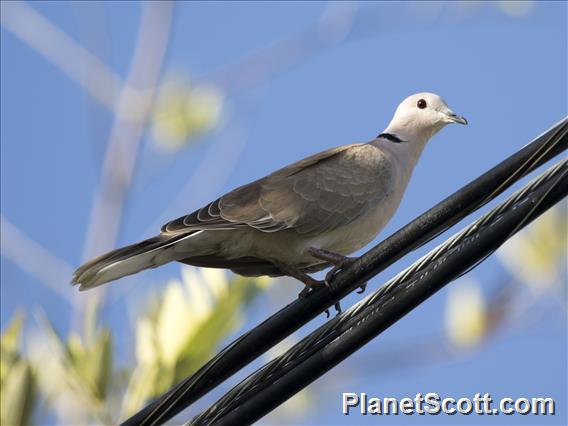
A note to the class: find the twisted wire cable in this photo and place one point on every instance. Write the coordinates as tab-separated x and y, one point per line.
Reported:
355	316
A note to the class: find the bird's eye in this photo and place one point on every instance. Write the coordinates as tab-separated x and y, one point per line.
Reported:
421	104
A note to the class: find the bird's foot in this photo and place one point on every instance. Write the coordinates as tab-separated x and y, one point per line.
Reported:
338	261
337	307
311	284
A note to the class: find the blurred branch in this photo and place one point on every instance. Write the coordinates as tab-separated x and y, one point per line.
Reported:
53	44
95	34
332	28
34	259
132	112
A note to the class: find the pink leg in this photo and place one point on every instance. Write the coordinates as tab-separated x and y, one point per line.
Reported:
337	260
309	282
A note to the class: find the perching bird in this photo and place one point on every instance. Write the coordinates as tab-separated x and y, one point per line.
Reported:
300	219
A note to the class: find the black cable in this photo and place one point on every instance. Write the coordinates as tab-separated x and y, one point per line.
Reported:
334	341
425	227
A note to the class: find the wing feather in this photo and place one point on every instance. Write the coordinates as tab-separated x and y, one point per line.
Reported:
313	196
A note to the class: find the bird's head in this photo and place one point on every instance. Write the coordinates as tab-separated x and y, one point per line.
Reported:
423	114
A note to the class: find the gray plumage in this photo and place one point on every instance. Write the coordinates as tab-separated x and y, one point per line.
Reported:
337	200
313	196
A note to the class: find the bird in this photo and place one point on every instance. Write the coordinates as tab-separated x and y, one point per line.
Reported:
300	219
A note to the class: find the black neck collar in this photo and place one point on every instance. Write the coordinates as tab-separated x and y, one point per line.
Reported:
390	137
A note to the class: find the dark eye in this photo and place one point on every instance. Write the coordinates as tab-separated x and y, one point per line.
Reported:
421	104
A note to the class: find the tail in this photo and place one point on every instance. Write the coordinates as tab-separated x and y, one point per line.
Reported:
125	261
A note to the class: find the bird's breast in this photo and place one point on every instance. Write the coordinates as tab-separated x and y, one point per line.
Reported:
357	234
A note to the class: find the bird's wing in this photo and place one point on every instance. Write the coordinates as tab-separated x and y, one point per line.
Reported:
312	196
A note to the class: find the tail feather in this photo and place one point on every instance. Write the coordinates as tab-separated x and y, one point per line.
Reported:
125	261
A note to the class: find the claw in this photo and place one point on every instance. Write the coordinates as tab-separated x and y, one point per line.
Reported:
362	288
333	271
304	292
311	286
337	260
330	274
337	307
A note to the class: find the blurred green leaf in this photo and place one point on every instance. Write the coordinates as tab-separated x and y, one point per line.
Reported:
220	322
18	394
536	256
11	335
140	387
184	111
175	335
9	344
466	314
189	323
17	382
85	368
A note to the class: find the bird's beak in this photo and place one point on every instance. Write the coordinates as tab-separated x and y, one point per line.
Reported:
453	118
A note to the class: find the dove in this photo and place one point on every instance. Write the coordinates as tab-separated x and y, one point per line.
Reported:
303	218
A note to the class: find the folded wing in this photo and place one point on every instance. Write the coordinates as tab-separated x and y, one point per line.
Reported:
312	196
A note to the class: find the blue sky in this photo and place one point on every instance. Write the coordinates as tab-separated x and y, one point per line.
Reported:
507	74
